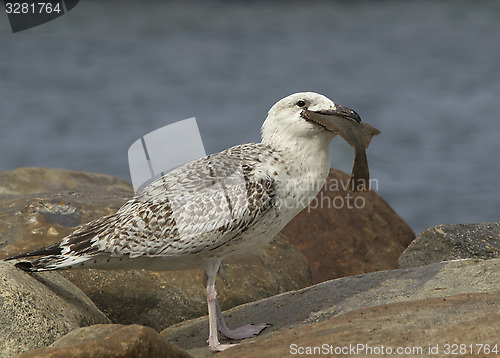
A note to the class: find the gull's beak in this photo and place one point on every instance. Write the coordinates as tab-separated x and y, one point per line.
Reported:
333	120
346	113
344	122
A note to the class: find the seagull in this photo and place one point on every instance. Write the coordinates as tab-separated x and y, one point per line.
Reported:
225	204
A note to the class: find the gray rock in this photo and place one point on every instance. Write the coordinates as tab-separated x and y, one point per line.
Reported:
321	302
452	242
107	341
37	309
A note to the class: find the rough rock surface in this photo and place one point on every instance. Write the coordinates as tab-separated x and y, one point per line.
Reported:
109	341
33	219
419	328
400	303
452	242
37	309
344	234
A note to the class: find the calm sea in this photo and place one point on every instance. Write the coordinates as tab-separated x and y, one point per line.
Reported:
77	92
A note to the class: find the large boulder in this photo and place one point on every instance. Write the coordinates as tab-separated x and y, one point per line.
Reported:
343	233
452	242
40	206
109	341
39	308
450	302
34	214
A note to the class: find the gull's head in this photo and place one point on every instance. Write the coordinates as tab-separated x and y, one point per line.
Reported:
304	117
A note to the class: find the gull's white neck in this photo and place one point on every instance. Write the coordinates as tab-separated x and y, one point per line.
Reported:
307	163
310	153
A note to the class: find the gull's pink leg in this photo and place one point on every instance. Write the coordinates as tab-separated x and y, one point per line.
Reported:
216	319
213	339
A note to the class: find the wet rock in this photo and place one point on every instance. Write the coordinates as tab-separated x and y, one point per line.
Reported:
452	242
39	308
405	305
109	341
343	233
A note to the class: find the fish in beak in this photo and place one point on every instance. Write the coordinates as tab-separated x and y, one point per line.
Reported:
347	123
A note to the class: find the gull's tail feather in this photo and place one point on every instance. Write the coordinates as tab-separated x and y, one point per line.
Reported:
72	252
51	262
37	265
54	249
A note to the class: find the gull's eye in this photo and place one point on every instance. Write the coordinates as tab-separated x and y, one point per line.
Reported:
301	103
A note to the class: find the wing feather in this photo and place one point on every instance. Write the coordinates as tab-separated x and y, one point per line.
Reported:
195	208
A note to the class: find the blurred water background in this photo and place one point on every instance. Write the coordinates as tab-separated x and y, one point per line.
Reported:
75	93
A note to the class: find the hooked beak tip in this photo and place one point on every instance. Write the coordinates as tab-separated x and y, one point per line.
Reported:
347	113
